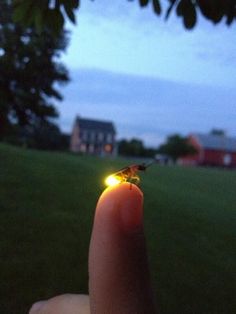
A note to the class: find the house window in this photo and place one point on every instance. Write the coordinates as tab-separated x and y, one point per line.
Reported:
109	138
91	148
85	136
227	159
100	136
88	136
92	136
83	148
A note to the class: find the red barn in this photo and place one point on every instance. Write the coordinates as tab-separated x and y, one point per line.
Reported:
212	150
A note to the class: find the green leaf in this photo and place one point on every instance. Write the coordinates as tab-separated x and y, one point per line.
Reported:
190	18
38	20
18	14
171	6
213	9
70	14
180	8
187	10
72	4
143	3
54	20
21	10
156	6
231	14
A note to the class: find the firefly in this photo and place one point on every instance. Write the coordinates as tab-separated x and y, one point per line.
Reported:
127	174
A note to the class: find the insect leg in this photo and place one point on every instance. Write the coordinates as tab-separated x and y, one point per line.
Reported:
135	180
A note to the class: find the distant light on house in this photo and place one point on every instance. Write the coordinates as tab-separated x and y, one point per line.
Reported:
2	52
108	148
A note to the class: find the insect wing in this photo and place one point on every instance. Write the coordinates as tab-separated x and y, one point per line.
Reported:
127	170
121	172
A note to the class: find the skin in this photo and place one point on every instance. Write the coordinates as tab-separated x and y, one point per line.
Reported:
118	267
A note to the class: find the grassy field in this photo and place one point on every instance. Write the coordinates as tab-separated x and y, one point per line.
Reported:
47	203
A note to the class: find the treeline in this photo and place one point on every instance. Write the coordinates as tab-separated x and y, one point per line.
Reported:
45	135
42	135
135	148
174	147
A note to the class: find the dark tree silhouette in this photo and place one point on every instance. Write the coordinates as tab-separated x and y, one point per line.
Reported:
53	13
176	146
134	147
29	69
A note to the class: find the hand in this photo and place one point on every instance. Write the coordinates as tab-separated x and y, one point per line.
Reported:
118	268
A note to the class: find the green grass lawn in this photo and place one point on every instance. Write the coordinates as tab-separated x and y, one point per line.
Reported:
47	202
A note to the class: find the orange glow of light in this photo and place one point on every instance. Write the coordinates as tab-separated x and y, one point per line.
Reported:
108	148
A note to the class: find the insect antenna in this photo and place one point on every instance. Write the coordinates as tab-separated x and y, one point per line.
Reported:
149	164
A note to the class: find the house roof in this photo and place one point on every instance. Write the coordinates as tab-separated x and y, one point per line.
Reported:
216	142
96	125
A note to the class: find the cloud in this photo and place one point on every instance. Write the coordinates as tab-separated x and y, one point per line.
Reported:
146	107
119	36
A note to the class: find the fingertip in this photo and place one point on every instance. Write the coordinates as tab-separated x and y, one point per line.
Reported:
122	205
36	307
123	189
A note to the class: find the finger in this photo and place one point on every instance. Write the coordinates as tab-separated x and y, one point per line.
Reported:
63	304
118	268
37	306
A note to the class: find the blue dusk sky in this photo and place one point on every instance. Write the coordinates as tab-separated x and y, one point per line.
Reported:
150	77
